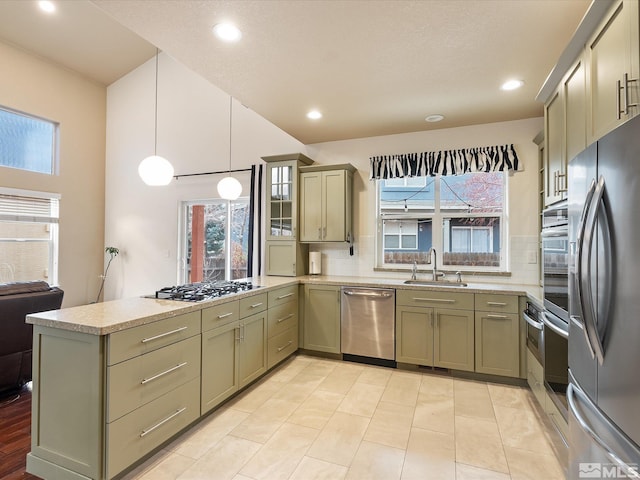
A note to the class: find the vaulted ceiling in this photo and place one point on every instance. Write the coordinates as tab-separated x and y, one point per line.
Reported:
371	67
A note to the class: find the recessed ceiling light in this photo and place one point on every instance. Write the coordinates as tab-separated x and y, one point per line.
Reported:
434	118
47	6
314	115
512	85
227	32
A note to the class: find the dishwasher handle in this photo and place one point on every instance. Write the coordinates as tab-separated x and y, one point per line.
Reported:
369	294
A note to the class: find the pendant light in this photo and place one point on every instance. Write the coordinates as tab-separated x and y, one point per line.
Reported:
229	187
155	170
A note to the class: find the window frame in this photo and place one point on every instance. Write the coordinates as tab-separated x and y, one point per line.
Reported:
52	221
55	142
183	244
437	218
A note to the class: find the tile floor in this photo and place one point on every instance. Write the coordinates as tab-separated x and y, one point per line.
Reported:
313	418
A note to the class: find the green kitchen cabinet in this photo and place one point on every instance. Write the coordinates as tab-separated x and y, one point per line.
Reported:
497	325
322	318
286	258
284	255
453	339
414	335
435	328
612	58
253	348
326	204
220	353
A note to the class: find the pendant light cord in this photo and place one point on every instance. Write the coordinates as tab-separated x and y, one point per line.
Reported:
155	133
230	128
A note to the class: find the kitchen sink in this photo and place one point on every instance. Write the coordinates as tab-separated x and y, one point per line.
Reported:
442	283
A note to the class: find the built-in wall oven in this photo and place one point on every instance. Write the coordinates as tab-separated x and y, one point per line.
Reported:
555	286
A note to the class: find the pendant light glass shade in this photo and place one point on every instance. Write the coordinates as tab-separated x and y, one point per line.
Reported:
229	187
155	170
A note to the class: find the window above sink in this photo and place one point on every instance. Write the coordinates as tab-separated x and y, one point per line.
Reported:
460	216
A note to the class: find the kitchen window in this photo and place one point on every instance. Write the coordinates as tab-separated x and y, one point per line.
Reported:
215	240
27	142
461	216
28	236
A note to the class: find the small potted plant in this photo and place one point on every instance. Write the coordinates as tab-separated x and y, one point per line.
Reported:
113	253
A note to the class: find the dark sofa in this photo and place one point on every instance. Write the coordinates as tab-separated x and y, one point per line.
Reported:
17	300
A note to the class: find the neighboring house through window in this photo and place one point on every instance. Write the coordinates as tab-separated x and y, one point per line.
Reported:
461	216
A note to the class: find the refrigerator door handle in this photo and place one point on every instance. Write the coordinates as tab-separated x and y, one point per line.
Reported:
575	394
579	253
589	312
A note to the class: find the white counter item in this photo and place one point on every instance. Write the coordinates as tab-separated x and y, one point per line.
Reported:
315	263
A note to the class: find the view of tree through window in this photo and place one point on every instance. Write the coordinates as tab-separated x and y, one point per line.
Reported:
216	240
460	216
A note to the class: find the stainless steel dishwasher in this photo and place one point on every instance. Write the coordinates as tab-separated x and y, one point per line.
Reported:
368	325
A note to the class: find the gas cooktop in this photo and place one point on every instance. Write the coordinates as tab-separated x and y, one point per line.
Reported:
196	292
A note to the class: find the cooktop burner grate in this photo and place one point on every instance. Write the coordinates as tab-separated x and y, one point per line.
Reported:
196	292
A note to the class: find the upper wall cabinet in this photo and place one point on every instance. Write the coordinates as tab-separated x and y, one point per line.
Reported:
284	255
565	131
613	53
282	195
325	203
555	160
593	88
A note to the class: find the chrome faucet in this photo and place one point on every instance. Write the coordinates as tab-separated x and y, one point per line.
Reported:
436	273
414	270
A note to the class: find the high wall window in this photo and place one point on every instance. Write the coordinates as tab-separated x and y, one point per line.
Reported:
27	142
461	216
28	236
215	240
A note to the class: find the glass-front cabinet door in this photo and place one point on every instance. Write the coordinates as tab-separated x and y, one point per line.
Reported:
281	209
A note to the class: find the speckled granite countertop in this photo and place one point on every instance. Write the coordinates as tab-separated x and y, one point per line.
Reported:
109	317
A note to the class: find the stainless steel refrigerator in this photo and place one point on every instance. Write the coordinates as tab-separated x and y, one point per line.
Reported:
604	307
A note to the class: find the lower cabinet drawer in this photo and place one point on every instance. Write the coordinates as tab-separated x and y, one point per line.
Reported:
281	346
136	434
135	341
135	382
281	318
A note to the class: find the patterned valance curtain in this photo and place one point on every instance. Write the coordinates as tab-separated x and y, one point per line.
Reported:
446	162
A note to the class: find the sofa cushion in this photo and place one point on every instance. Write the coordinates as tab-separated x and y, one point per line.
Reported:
14	288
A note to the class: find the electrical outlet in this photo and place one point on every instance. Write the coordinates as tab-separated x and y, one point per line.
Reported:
532	256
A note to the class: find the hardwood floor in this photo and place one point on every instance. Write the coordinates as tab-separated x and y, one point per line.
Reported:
15	436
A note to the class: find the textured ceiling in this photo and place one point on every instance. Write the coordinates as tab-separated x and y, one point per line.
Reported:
372	67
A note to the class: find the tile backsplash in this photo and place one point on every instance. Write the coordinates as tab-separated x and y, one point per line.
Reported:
523	252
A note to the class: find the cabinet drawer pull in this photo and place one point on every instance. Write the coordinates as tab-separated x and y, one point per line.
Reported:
437	300
282	348
172	369
497	304
284	318
162	422
491	315
256	305
224	315
155	337
284	296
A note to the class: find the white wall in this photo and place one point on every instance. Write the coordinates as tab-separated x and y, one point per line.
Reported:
522	190
193	134
32	85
